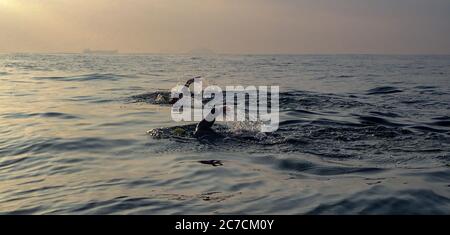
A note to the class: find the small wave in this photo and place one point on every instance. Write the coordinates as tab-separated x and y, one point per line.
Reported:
345	76
381	200
334	123
27	211
298	100
414	101
441	123
88	99
427	129
45	145
10	162
311	168
445	118
383	90
291	122
372	120
302	111
386	114
438	176
87	77
58	115
43	115
425	87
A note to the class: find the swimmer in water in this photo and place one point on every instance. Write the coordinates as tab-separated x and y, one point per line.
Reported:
203	130
165	98
204	127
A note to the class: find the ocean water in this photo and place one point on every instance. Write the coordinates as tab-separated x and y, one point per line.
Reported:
359	134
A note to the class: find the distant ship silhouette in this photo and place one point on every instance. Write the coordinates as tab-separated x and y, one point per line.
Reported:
104	52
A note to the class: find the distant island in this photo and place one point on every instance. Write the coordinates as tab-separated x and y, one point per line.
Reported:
103	52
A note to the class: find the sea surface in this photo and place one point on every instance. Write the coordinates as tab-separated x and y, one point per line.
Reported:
359	134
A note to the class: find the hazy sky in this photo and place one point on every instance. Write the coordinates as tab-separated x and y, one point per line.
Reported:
227	26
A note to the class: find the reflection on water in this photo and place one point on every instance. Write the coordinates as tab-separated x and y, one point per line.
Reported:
358	135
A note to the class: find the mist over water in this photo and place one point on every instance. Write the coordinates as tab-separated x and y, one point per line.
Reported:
359	134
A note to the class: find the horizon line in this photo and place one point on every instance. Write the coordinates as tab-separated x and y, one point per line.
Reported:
237	54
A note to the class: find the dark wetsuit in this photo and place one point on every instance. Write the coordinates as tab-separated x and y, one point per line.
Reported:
204	127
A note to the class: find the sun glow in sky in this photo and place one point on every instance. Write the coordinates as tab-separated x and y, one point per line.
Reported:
6	3
228	26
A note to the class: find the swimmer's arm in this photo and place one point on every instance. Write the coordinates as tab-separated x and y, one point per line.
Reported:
190	81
